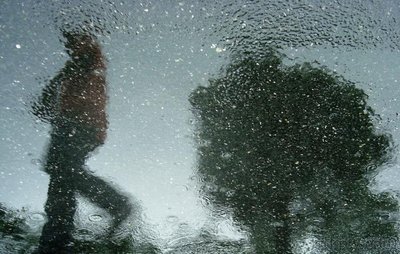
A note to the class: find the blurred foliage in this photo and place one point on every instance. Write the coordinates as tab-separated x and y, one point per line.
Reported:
286	146
17	236
14	231
9	223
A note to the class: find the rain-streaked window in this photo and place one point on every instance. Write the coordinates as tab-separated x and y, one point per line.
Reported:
262	127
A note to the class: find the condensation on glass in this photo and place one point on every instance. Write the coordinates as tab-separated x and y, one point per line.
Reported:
199	126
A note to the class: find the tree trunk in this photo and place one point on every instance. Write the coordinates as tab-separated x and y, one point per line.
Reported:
282	237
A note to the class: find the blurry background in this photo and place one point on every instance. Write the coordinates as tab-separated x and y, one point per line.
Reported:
158	52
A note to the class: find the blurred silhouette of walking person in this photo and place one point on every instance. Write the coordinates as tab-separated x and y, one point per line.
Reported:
74	104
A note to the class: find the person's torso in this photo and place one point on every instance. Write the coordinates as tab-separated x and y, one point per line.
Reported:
83	97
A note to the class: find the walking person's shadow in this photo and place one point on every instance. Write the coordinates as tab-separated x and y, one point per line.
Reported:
74	104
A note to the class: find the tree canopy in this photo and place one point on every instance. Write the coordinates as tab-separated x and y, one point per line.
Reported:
271	136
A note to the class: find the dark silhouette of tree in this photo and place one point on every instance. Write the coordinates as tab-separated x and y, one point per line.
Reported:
284	146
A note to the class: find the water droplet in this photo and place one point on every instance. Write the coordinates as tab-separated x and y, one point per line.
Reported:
226	155
219	50
205	201
230	193
37	217
36	161
184	226
84	232
95	217
172	219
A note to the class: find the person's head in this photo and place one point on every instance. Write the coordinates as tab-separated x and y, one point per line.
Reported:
80	44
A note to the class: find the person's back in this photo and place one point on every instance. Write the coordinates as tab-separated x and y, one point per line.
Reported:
83	94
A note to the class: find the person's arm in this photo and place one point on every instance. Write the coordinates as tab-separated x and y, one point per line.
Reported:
46	106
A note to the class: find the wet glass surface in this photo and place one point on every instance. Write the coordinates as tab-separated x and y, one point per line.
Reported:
199	127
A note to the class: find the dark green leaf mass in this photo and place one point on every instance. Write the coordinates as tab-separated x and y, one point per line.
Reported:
273	137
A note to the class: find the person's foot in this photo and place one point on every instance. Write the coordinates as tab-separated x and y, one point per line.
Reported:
51	248
119	215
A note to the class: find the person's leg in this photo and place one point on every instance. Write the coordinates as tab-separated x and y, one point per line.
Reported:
61	202
60	209
94	188
103	195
